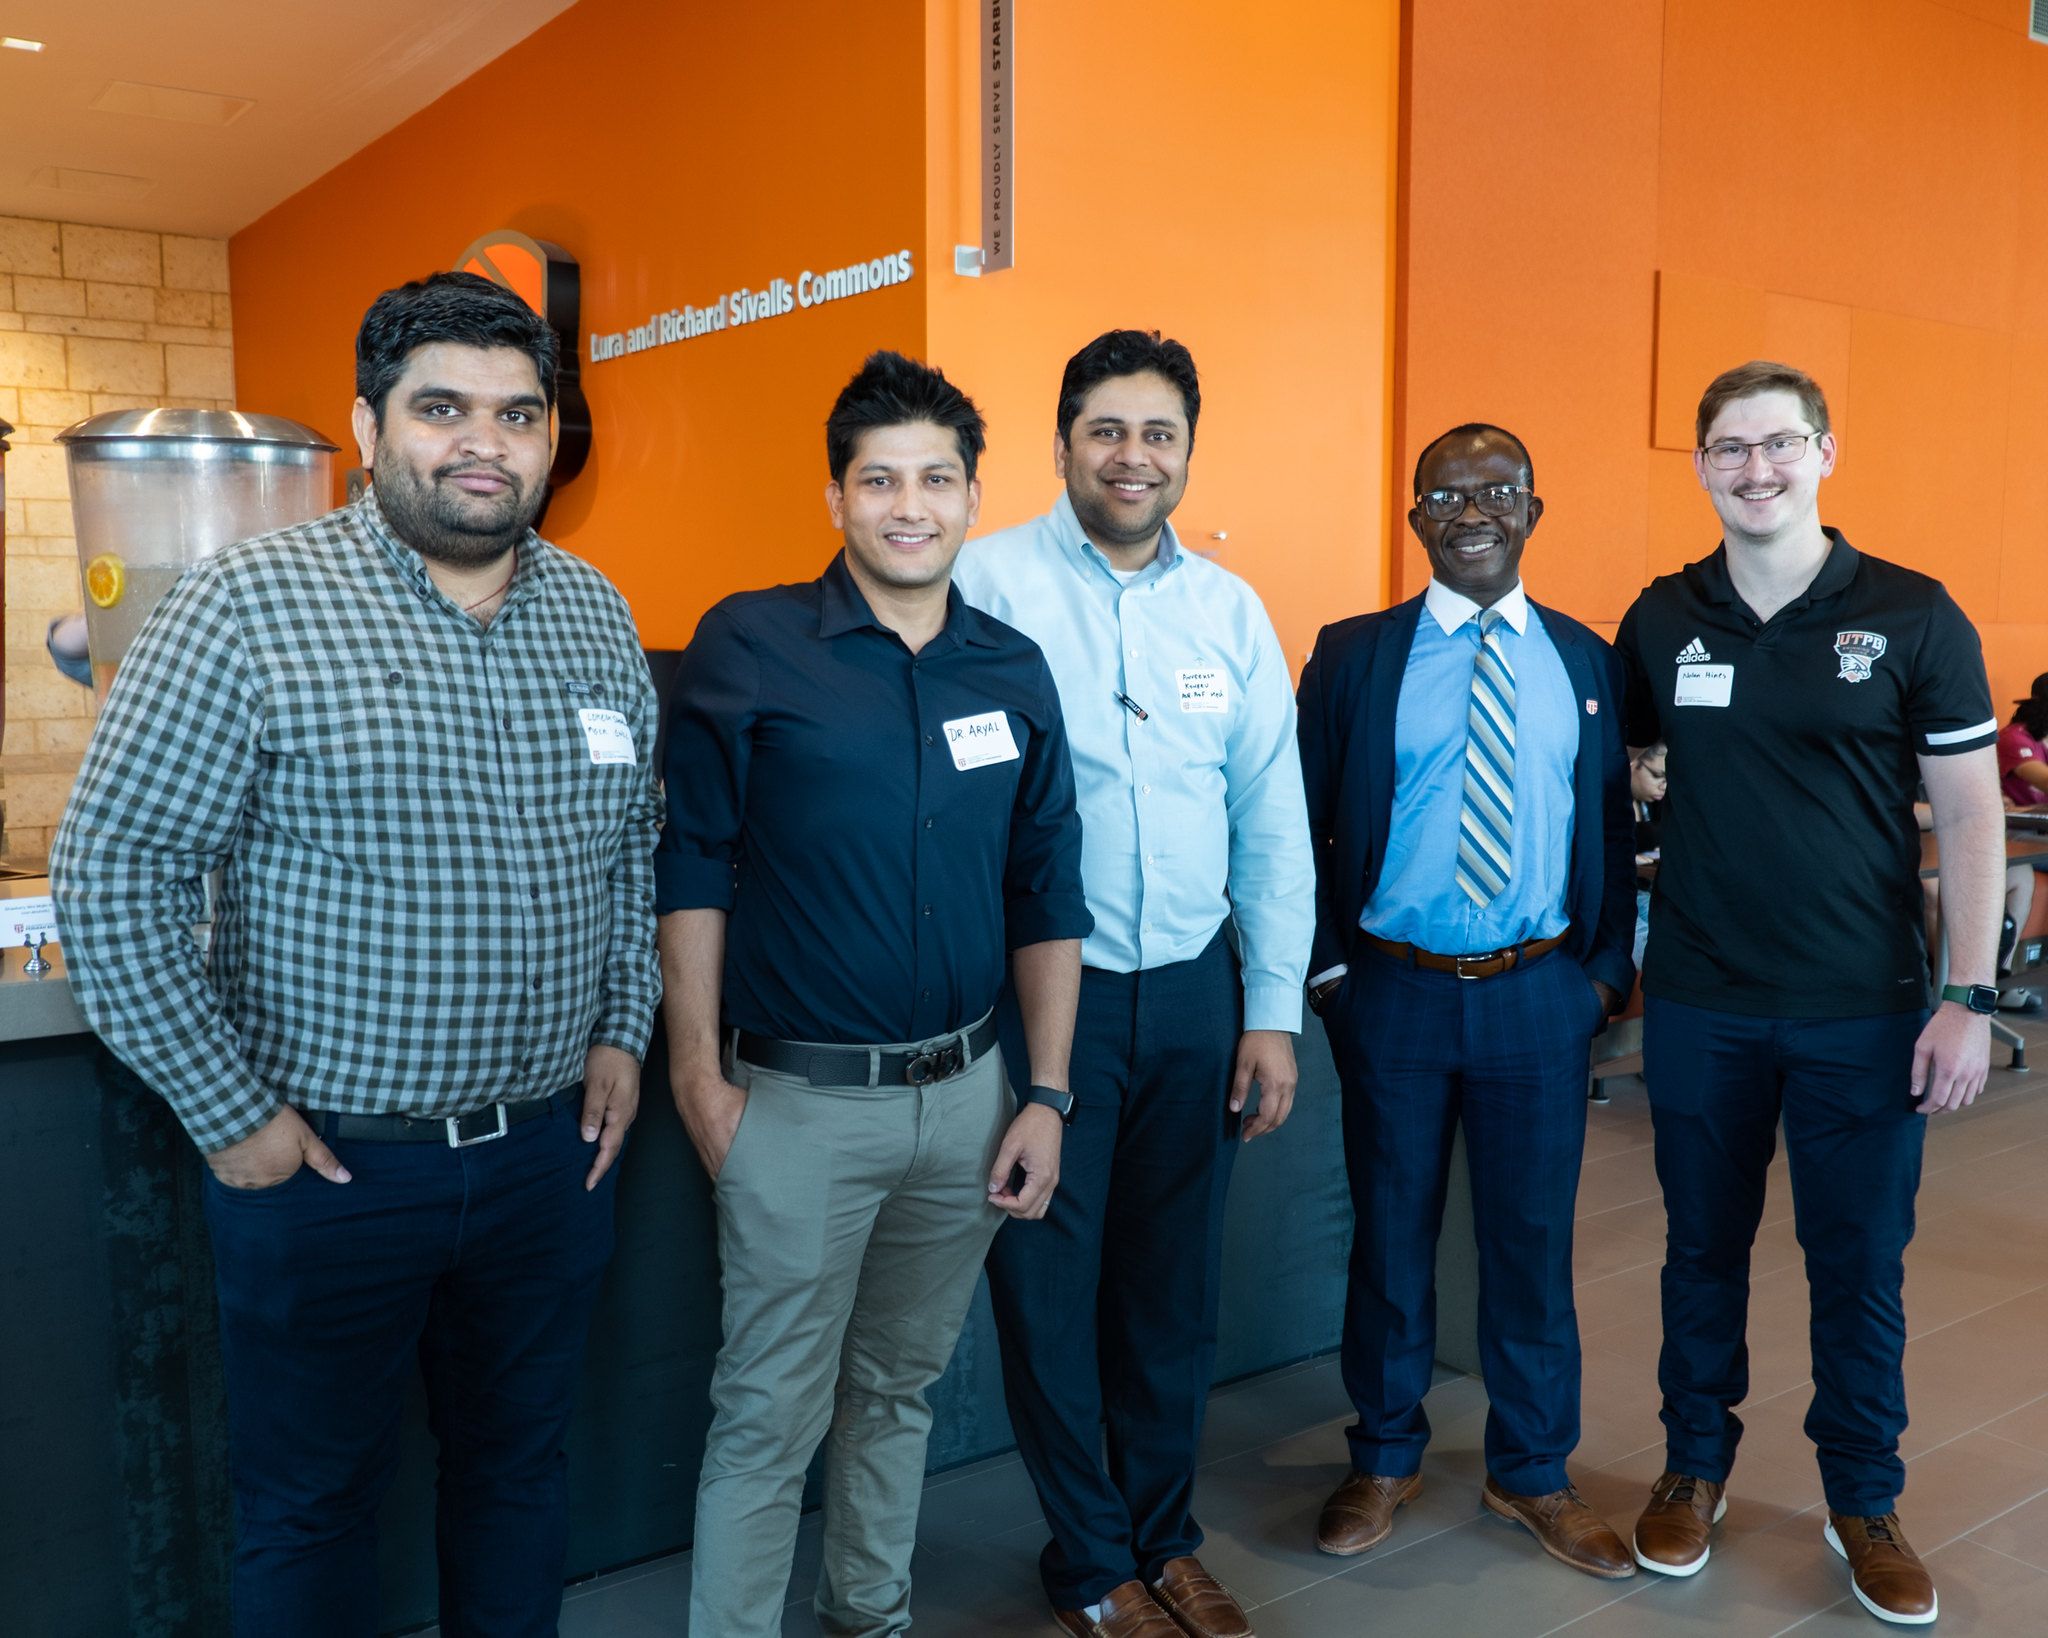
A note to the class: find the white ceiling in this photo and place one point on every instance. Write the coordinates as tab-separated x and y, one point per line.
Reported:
326	80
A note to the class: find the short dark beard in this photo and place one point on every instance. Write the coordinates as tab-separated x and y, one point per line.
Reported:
1100	526
428	520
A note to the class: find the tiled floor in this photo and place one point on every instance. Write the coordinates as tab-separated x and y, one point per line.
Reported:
1976	1504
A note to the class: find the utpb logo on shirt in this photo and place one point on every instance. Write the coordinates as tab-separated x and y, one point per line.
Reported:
1860	651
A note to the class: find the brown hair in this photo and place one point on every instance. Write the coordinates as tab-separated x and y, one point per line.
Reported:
1758	376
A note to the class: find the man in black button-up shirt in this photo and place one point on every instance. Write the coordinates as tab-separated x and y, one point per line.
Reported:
870	808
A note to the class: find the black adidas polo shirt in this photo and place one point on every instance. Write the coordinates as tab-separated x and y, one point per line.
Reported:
1789	883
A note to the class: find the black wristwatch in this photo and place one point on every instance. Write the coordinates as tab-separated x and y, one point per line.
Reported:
1060	1103
1977	997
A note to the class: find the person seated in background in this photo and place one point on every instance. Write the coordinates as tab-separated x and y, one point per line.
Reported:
2022	753
2019	903
1647	783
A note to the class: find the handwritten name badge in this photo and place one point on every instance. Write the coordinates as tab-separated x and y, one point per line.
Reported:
978	741
608	736
1203	688
1704	685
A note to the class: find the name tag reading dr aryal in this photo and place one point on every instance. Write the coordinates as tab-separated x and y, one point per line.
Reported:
977	741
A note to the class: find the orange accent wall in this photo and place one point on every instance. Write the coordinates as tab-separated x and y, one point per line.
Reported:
1609	204
677	152
1226	178
1229	181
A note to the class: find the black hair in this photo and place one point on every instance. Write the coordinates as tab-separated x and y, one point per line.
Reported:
2032	714
1128	352
890	390
1478	429
453	307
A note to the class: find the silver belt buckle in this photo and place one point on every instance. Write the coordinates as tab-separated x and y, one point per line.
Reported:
457	1141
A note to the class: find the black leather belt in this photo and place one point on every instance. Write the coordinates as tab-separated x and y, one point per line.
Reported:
457	1131
935	1060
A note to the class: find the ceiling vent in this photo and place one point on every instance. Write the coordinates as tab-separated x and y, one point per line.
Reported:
168	102
108	184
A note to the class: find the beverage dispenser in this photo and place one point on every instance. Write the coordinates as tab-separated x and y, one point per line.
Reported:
154	491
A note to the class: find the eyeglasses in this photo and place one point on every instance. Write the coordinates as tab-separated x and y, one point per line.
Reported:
1495	501
1786	449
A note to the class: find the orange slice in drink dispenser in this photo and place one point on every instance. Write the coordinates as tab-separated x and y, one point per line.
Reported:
106	578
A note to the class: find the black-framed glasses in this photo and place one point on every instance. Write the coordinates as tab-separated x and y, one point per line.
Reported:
1496	500
1780	449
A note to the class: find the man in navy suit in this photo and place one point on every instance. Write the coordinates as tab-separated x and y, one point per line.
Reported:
1475	899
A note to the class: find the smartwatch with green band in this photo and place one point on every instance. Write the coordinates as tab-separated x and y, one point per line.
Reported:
1977	997
1060	1103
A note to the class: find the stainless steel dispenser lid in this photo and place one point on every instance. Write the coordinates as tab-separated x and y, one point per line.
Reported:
193	426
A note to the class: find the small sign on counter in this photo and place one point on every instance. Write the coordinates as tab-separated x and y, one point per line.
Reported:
22	920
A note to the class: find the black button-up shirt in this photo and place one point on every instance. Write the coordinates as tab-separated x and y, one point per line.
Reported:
882	826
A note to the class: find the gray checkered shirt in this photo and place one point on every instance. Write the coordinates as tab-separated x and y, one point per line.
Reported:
432	897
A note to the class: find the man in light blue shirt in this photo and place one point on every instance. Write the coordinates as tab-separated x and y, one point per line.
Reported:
1180	719
1468	793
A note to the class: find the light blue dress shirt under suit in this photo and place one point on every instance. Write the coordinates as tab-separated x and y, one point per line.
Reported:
1417	900
1196	813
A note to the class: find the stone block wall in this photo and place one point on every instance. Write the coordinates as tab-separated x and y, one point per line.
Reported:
91	319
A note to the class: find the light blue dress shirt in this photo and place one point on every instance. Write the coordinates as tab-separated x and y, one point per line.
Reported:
1196	813
1417	900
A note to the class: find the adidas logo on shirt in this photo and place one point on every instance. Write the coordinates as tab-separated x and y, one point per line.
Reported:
1694	653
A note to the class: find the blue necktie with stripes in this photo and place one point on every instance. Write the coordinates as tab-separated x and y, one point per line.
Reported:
1486	821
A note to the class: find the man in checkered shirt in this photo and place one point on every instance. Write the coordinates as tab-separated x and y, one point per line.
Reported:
414	739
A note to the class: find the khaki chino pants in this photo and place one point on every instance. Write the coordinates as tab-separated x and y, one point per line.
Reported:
852	1225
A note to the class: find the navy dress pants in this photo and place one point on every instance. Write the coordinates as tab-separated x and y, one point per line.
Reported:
1418	1053
482	1263
1106	1308
1719	1083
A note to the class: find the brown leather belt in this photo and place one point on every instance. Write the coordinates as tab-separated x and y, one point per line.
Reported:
1487	965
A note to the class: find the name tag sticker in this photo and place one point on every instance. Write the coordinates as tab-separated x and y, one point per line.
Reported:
1203	688
608	736
978	741
1704	685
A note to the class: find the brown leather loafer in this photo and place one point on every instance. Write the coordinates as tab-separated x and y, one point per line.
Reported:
1128	1611
1884	1572
1671	1536
1567	1529
1200	1604
1360	1512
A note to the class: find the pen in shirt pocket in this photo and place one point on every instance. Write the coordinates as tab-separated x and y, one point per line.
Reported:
1130	704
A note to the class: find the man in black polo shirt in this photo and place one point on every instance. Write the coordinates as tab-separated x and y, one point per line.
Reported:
1802	688
887	769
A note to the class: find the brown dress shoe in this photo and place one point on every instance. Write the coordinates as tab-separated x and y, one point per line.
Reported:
1199	1604
1360	1512
1127	1612
1568	1530
1885	1573
1671	1536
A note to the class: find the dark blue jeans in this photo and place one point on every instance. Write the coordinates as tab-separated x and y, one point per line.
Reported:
481	1262
1419	1053
1719	1084
1106	1308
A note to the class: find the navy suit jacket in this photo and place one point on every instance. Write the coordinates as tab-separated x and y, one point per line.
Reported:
1349	692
